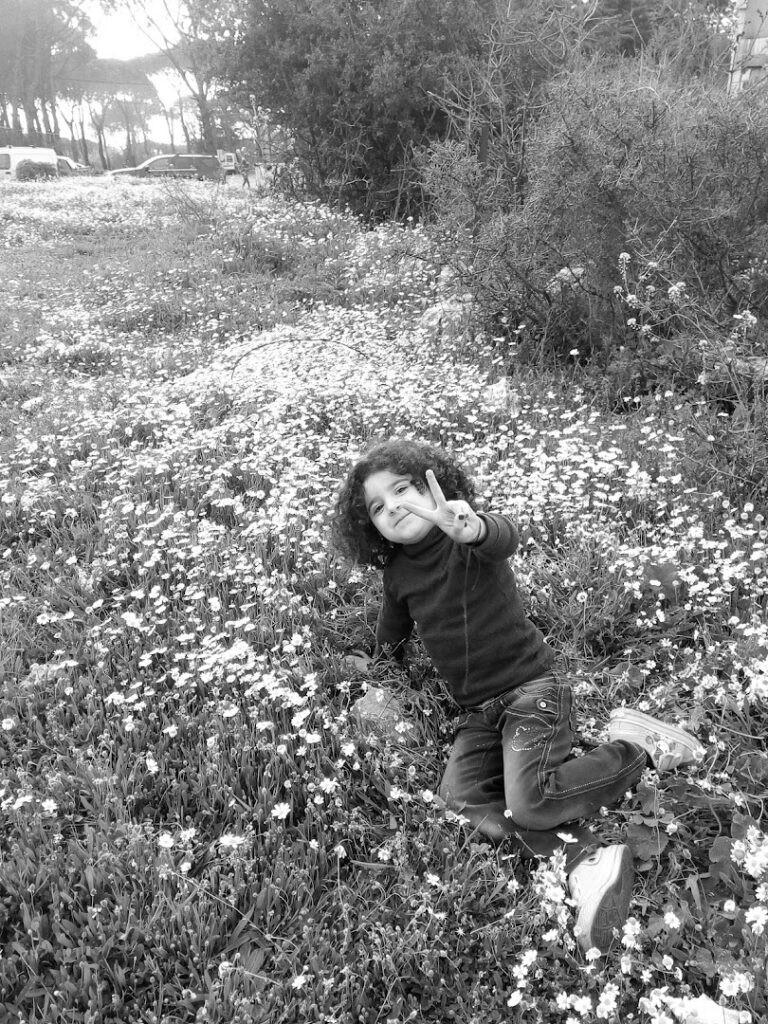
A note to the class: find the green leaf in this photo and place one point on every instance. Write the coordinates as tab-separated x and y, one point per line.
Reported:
646	843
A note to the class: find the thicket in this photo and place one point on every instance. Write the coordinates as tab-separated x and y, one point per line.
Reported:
622	160
34	170
588	177
357	87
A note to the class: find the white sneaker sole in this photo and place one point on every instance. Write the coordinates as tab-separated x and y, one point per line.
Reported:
654	736
599	922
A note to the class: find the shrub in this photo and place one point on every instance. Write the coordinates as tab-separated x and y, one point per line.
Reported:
356	85
624	158
35	170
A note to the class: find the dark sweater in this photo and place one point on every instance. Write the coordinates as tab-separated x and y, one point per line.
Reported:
467	609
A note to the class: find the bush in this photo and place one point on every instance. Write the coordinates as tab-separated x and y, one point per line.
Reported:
623	159
34	170
355	85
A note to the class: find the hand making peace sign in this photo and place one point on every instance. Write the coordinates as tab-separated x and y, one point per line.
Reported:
457	519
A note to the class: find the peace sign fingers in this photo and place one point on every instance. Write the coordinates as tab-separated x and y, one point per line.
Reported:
436	491
455	518
433	515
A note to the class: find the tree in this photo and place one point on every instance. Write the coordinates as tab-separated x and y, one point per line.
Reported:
115	93
194	36
40	39
356	84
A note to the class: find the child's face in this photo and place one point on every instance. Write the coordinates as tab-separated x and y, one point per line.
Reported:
383	492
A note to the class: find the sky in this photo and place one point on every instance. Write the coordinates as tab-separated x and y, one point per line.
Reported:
117	35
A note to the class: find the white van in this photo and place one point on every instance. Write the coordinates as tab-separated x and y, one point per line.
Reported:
12	156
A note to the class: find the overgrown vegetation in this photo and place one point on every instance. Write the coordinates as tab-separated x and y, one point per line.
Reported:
193	828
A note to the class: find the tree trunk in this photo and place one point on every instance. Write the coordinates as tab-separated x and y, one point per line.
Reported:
46	121
98	127
168	115
184	126
86	156
206	123
130	153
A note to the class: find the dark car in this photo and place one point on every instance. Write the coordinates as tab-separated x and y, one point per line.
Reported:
176	165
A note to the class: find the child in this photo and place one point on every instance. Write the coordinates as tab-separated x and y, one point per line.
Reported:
407	507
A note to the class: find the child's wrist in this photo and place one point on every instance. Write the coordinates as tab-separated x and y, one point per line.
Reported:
482	532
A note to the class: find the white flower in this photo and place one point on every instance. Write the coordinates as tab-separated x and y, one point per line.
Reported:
152	766
672	921
582	1005
231	842
165	841
49	806
225	967
9	724
757	917
606	1006
515	998
281	811
736	983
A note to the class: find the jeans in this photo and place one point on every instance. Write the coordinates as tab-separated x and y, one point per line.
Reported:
513	754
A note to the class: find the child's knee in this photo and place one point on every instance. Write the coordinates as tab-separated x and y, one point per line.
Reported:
529	811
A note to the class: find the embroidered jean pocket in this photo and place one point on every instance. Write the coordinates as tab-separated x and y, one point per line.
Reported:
542	701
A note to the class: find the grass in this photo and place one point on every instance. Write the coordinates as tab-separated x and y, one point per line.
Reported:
193	827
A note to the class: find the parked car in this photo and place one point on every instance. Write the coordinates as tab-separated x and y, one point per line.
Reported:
69	166
175	165
12	156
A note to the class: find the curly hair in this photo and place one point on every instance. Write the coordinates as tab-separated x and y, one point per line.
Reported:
353	535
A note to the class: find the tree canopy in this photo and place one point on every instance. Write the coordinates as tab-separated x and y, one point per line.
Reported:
358	85
40	42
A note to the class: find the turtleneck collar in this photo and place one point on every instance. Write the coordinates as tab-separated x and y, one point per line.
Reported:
432	538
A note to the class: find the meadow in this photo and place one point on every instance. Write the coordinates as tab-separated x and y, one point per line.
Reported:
193	826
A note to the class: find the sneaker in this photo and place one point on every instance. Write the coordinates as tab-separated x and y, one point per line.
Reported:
601	888
668	746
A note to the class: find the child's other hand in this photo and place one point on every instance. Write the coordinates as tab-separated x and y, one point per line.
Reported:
457	519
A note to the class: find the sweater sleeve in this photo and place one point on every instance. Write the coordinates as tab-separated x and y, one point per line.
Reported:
501	539
394	625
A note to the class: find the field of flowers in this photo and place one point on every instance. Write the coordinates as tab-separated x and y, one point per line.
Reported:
192	825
